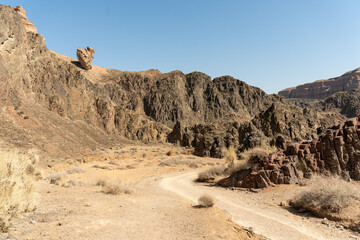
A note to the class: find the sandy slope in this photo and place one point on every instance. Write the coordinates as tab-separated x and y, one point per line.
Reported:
249	211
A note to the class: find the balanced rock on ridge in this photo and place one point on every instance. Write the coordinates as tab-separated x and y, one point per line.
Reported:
85	56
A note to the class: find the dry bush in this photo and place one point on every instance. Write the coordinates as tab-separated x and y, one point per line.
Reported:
230	157
117	188
174	162
101	182
75	170
253	154
59	179
327	196
206	201
211	173
17	185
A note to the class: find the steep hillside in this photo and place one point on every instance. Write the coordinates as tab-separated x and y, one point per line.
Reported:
324	88
103	105
347	103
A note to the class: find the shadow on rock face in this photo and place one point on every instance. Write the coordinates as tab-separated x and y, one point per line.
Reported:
77	63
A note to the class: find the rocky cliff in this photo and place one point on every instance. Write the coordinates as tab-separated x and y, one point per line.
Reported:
335	153
324	88
50	95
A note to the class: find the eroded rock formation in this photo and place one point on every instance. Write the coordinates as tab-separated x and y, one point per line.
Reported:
324	88
142	105
29	26
85	56
335	153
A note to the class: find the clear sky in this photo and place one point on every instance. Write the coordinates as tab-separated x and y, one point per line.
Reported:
271	44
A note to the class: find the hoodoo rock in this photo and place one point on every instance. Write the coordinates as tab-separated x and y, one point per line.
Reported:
29	26
85	56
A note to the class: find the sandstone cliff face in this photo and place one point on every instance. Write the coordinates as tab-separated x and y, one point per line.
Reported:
324	88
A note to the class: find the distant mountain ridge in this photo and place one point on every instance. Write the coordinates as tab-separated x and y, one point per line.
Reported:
324	88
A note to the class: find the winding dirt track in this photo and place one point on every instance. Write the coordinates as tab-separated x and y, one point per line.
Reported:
264	220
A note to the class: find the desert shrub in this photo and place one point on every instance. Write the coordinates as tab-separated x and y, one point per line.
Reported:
206	200
230	157
301	165
59	179
101	182
174	162
211	173
75	170
254	154
17	185
327	196
117	188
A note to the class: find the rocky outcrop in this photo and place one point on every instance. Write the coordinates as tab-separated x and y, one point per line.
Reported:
85	56
347	103
324	88
278	125
31	75
335	153
29	26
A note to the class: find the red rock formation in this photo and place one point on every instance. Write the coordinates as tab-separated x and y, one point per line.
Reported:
324	88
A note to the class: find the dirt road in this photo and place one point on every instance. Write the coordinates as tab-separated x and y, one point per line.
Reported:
247	210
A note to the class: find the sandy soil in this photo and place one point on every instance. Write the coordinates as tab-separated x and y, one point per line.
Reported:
162	204
261	211
83	211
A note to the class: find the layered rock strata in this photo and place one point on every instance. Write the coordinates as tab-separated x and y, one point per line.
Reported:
324	88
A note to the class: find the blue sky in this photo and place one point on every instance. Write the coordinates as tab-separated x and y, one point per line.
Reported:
269	44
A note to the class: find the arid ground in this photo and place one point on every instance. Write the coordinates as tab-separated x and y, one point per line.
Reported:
160	203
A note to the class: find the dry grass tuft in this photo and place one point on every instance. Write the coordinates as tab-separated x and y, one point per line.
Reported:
117	188
17	185
327	196
253	154
75	170
210	174
101	182
206	201
59	179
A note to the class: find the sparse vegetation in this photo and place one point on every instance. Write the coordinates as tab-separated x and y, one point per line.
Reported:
59	179
75	170
230	157
206	201
115	188
174	161
253	154
210	174
17	185
327	197
301	165
101	182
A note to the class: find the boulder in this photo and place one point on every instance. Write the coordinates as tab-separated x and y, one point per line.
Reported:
85	56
